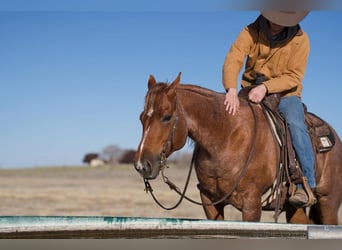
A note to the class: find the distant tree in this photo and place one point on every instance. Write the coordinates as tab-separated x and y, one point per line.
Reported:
111	154
89	157
93	159
127	156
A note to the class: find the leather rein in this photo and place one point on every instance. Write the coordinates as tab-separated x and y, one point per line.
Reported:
172	186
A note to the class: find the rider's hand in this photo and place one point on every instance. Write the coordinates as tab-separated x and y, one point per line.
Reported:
258	93
231	101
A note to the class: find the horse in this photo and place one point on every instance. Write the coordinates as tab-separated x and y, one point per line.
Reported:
175	111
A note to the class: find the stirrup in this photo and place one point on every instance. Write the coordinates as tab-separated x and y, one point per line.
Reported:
310	195
312	199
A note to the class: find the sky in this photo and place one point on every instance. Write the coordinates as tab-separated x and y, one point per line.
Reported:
73	80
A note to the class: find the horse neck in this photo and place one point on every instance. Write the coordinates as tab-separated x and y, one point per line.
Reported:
204	113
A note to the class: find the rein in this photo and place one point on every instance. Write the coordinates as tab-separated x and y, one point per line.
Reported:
148	187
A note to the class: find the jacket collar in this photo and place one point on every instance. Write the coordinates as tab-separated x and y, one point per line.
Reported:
261	24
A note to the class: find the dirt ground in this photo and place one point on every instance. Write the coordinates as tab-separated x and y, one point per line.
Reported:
104	191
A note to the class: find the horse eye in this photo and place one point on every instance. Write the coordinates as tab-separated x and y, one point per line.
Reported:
166	118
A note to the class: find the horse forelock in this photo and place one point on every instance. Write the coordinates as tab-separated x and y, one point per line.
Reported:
152	95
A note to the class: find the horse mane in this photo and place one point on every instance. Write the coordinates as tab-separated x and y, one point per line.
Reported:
199	90
196	89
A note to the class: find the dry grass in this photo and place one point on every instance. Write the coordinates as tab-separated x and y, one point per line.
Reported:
116	191
105	191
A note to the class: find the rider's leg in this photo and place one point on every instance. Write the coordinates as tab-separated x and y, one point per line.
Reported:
292	109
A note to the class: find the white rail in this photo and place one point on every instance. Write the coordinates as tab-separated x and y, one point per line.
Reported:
134	227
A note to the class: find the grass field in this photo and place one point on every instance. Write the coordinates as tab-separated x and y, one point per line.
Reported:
105	191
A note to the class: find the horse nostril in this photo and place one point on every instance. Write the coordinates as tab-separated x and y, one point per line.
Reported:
143	168
148	166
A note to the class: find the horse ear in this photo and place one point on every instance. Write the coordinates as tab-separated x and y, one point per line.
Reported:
176	81
151	81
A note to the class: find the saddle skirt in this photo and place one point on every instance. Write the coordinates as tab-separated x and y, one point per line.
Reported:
322	137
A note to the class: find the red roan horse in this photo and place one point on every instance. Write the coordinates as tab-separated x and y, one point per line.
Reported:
175	111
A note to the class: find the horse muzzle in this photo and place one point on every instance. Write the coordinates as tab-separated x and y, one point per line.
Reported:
146	169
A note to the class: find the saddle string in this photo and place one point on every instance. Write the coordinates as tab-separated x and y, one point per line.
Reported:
174	187
288	165
275	194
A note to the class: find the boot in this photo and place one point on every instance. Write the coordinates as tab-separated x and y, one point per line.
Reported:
299	198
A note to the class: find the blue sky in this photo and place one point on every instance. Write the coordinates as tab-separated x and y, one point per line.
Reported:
73	82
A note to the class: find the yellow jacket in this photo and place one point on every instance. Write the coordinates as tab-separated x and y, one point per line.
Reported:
282	65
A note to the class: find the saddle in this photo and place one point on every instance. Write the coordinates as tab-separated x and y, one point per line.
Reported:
289	172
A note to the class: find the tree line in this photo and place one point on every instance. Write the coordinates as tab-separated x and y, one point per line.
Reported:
113	155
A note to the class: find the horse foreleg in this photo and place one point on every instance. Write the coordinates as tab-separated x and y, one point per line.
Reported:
212	212
252	213
325	211
251	209
296	215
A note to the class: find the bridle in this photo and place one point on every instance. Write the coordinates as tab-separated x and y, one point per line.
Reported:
163	163
169	142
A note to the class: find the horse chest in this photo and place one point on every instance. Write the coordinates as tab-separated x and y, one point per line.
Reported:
216	187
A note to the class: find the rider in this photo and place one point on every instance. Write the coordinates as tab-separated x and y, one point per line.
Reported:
276	51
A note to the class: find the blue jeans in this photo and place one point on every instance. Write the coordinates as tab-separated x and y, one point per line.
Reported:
292	110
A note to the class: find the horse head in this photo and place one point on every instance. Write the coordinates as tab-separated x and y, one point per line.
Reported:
164	128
